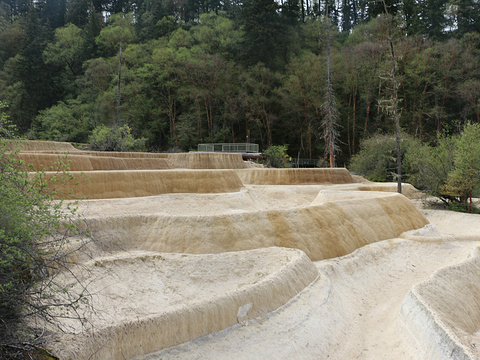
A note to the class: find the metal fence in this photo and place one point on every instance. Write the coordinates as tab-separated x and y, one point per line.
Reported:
235	147
304	163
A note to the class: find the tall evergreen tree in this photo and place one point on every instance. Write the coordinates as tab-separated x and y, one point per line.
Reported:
376	8
429	18
290	11
15	8
77	12
35	86
11	34
348	15
53	12
467	16
91	30
264	33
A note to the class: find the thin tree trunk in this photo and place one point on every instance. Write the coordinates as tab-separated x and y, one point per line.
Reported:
309	139
303	10
471	188
206	101
330	111
267	126
396	115
354	118
369	103
119	83
199	116
172	113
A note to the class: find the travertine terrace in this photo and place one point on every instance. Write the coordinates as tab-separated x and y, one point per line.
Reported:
206	256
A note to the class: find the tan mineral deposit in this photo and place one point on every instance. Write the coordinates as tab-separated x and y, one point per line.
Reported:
207	256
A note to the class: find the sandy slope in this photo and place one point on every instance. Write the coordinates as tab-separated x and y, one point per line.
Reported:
352	311
138	295
203	264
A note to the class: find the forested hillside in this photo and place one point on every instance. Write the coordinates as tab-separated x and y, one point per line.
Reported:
182	72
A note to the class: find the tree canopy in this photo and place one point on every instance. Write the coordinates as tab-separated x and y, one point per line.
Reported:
224	71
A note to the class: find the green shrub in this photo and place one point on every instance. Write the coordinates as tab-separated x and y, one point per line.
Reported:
464	180
276	156
34	231
450	170
430	166
115	139
377	158
64	122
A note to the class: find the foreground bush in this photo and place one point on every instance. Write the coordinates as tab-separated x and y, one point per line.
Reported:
276	156
464	180
430	166
35	230
377	158
450	170
115	139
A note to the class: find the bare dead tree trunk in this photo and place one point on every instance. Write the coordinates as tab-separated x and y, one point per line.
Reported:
395	111
396	116
119	83
470	193
267	124
172	114
330	110
354	118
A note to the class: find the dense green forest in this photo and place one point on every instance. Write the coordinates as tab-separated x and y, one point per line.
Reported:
183	72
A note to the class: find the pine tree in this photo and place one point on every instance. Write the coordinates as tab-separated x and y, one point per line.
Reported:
391	106
429	18
37	86
329	108
264	33
467	16
77	12
53	12
91	31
